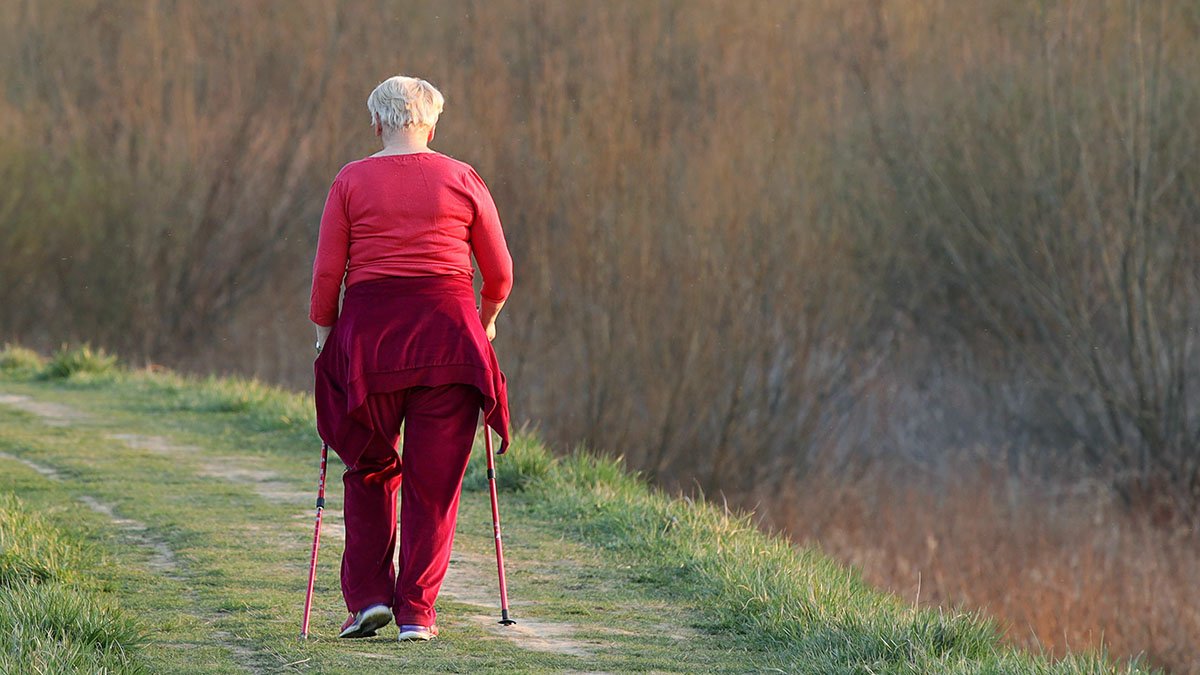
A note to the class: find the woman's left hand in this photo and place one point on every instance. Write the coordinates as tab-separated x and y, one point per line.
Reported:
488	311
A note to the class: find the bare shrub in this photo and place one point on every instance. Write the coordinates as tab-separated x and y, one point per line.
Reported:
1050	191
162	174
682	293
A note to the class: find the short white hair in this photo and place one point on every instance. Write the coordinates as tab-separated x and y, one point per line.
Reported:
402	102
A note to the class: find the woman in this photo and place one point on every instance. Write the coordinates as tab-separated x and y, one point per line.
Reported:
399	228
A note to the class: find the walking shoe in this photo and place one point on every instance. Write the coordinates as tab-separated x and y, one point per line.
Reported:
423	633
366	622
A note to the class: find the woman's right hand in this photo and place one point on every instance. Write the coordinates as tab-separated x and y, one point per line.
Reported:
322	335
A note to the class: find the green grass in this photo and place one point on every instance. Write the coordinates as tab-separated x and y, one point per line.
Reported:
19	362
78	362
643	581
51	614
30	550
795	603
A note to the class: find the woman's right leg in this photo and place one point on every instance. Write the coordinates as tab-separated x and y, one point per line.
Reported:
368	574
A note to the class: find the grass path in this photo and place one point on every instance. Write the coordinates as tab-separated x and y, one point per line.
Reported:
198	495
206	527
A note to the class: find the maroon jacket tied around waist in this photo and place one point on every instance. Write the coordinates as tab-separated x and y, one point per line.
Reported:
399	332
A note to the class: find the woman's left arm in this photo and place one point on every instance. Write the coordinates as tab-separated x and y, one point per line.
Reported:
491	253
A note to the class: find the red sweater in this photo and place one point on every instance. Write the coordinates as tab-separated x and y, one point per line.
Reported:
415	215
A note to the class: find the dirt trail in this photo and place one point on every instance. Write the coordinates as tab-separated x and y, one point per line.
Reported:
162	558
471	580
51	414
266	483
466	580
46	471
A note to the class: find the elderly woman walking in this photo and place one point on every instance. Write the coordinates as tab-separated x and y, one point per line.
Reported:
408	346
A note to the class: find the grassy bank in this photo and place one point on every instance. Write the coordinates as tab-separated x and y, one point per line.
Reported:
622	576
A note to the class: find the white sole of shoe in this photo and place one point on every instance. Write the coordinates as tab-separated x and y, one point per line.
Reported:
416	636
372	620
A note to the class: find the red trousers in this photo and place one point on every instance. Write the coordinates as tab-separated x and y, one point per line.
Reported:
439	428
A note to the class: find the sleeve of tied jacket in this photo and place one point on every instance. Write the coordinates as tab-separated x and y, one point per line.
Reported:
487	242
329	267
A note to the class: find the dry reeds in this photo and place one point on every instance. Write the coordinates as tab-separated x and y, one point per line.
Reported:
1063	570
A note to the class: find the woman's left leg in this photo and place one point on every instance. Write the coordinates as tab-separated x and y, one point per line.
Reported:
439	429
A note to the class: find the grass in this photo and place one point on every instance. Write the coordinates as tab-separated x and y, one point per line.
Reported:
792	602
78	362
640	580
18	361
30	551
51	613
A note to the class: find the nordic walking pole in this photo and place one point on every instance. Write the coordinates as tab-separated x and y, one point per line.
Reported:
491	474
312	565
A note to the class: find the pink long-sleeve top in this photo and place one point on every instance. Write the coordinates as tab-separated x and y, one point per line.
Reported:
413	215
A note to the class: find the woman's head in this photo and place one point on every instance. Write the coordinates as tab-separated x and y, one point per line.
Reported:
407	103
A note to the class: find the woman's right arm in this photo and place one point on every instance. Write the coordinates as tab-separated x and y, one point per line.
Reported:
329	267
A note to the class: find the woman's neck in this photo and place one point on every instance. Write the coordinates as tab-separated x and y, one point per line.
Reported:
401	143
403	148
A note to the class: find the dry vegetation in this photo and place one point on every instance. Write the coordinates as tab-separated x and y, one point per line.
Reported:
787	251
1063	569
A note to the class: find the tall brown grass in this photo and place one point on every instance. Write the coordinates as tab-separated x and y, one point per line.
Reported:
1061	569
755	242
